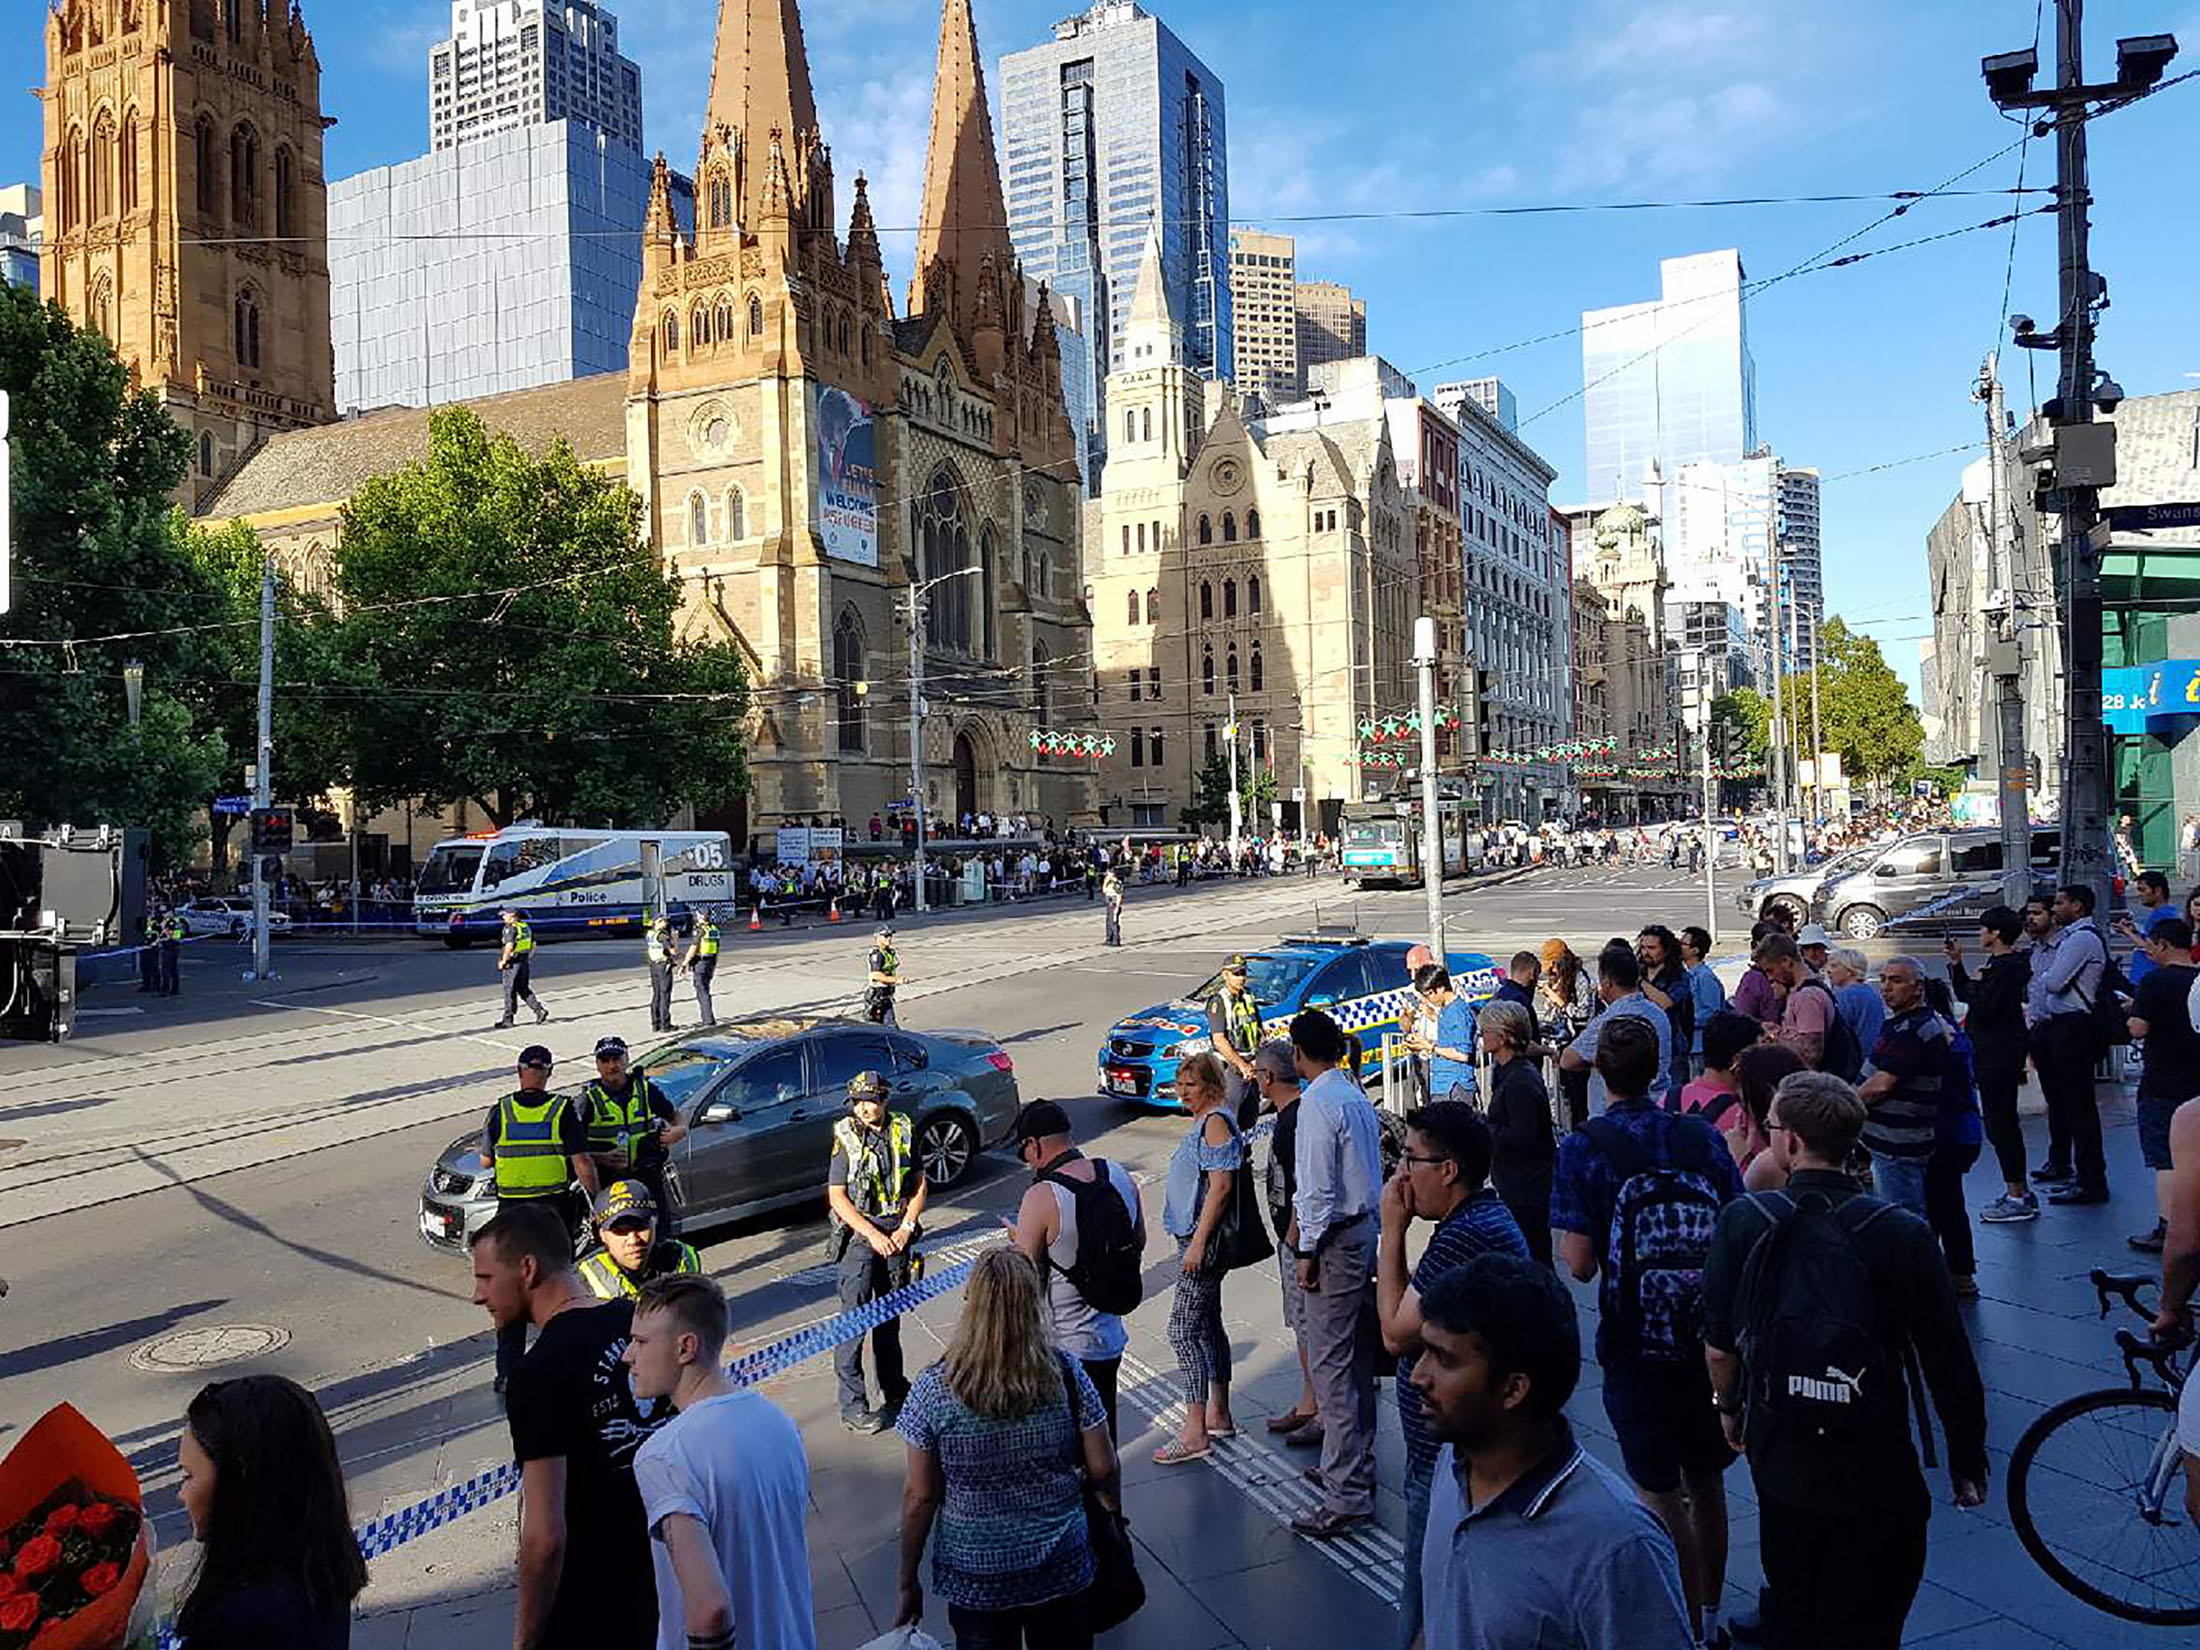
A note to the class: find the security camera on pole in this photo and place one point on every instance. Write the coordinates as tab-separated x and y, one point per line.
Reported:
1432	830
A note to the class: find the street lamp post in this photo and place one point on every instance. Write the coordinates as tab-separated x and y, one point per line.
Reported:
916	717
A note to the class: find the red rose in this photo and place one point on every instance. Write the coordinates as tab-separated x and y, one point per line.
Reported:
100	1578
98	1518
8	1584
18	1612
63	1518
39	1555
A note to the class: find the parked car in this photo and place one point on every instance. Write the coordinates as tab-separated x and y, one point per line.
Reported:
229	914
1939	878
1793	892
760	1100
1363	983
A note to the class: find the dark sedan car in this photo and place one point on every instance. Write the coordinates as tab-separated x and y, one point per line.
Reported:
760	1100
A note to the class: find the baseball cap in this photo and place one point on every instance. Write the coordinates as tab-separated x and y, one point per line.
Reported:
608	1046
1814	933
623	1200
534	1054
1040	1119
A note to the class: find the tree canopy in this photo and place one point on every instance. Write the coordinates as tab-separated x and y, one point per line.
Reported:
1864	712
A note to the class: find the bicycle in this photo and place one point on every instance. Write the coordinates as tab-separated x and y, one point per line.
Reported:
2106	1467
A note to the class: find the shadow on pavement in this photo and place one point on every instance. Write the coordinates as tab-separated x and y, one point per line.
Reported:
90	1343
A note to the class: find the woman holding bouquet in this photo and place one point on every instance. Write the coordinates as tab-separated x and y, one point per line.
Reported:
278	1562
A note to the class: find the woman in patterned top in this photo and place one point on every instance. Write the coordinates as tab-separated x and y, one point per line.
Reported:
1003	1432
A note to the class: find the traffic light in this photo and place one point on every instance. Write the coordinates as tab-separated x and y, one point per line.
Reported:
1474	726
274	830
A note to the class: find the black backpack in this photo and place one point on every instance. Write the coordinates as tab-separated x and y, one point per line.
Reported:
2111	1020
1844	1055
1817	1364
1109	1263
1663	1216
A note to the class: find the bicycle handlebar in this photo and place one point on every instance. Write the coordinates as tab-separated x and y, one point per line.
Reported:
2158	1358
2125	1286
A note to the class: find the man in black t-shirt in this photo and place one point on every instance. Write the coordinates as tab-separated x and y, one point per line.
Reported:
2161	1012
586	1578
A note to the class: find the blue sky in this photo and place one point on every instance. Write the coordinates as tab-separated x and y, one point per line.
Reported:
1390	106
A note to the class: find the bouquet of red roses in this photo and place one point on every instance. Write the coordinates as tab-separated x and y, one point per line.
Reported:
74	1550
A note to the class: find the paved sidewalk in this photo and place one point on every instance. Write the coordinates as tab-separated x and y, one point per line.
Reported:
1222	1567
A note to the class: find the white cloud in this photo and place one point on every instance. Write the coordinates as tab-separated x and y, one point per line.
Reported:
879	126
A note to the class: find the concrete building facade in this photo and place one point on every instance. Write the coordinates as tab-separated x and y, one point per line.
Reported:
1492	395
1243	566
508	64
1110	129
1264	316
1331	326
187	215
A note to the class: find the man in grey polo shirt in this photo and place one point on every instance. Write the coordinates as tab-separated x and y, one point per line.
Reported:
1530	1540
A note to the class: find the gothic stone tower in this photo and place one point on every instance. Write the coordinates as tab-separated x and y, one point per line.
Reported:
187	213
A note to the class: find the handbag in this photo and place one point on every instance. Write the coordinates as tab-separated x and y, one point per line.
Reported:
1241	1239
1118	1592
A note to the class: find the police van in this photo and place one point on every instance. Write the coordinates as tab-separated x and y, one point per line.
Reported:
567	879
1362	983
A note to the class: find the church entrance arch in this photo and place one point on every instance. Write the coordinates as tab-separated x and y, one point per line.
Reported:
966	776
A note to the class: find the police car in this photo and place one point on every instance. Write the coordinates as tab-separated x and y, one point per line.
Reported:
1363	983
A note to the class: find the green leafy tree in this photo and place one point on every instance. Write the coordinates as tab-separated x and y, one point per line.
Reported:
1864	710
1750	711
102	565
510	635
1211	795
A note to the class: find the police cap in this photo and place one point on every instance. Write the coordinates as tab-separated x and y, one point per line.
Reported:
610	1047
1234	964
866	1085
625	1200
536	1056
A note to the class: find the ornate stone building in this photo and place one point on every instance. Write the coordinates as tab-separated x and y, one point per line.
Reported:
187	212
1276	572
806	457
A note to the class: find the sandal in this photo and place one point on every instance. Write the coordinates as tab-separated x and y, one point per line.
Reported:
1175	1453
1214	1432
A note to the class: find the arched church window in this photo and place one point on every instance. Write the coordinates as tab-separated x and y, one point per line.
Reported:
209	180
756	316
286	183
1252	524
699	327
244	175
248	331
848	679
672	331
1252	594
1206	599
206	452
721	199
1130	424
103	167
721	320
1153	604
737	526
1230	669
103	307
1134	606
72	179
1207	672
1257	677
698	520
127	192
1229	598
1145	423
1229	527
1206	531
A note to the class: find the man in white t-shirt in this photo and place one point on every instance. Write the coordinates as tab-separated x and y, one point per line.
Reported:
725	1485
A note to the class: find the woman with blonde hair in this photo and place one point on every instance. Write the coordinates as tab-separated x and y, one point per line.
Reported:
1202	1174
1568	993
1003	1432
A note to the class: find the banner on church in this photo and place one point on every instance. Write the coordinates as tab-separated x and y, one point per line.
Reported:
847	475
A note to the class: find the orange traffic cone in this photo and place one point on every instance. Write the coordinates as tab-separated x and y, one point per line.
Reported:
756	919
833	913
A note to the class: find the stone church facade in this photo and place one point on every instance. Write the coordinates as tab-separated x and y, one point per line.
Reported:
806	457
187	212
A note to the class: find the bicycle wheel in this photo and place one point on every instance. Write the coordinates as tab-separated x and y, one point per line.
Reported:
2084	1482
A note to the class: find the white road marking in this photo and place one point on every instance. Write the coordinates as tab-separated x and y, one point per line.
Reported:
385	1020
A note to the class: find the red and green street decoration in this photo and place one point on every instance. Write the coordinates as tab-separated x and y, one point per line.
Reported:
1372	758
1093	746
1403	725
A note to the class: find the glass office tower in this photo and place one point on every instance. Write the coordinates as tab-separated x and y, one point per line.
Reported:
1107	129
1670	381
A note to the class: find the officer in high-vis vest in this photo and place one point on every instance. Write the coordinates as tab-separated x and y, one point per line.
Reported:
657	946
535	1145
882	976
631	1125
1233	1020
876	1190
173	933
701	962
516	962
632	1252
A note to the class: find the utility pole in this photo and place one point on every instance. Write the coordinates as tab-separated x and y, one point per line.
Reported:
1237	805
263	786
2083	455
2005	653
1710	839
1432	824
916	736
1776	751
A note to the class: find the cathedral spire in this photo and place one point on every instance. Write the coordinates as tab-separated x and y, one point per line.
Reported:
1151	336
963	218
759	84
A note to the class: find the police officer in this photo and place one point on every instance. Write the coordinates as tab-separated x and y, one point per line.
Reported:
632	1253
657	948
701	962
884	976
1233	1019
631	1125
535	1144
877	1193
172	931
517	964
1112	887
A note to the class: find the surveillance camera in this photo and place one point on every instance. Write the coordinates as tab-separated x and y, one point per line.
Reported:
2108	395
2023	326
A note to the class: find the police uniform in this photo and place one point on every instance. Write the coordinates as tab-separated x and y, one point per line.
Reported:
877	1168
519	935
1234	1018
606	1278
1114	888
657	948
703	963
878	1000
622	1125
533	1135
171	954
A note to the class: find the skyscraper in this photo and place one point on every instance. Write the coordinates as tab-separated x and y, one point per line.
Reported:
1492	395
1669	381
1264	315
1802	553
1332	326
21	229
1111	128
512	63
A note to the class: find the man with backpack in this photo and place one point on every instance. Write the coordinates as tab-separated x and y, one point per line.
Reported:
1082	1226
2068	1040
1635	1199
1810	1019
1818	1299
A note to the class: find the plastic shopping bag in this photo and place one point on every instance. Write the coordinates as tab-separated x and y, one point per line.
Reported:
905	1638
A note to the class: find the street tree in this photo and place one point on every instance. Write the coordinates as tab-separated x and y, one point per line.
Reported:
509	636
104	580
1211	795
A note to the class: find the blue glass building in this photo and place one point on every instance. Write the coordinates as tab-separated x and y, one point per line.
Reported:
1109	128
